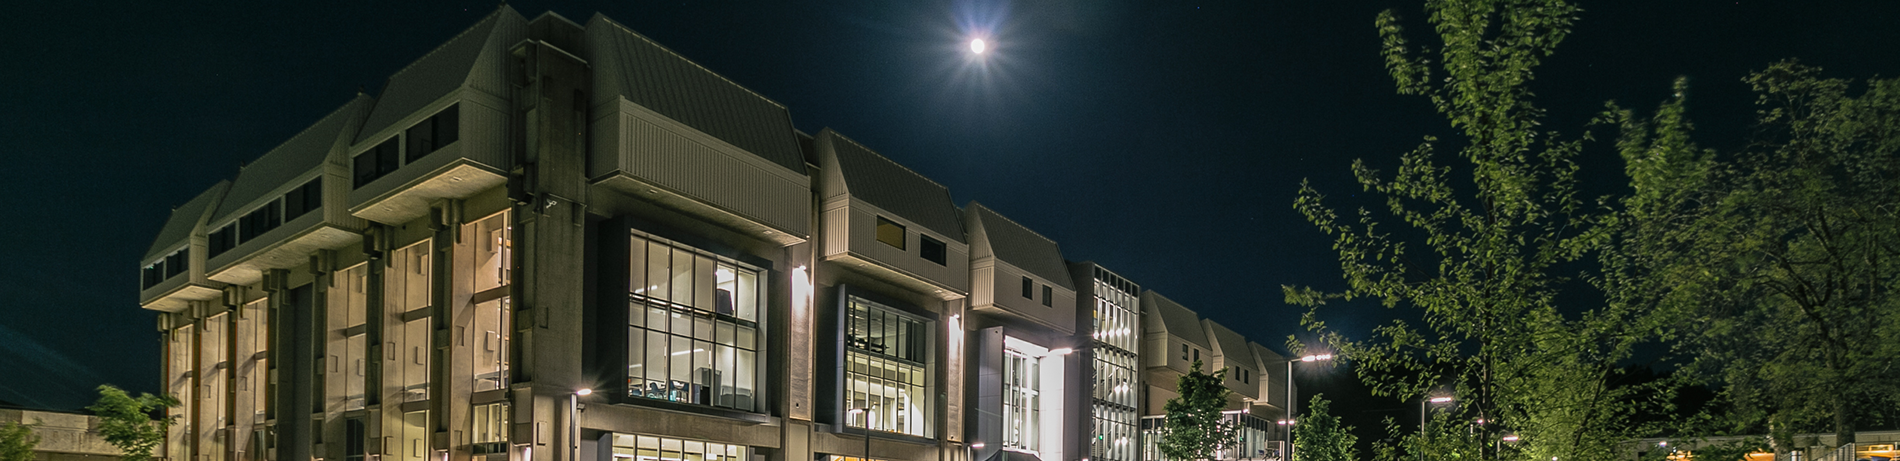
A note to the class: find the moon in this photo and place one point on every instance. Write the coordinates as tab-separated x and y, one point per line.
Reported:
977	46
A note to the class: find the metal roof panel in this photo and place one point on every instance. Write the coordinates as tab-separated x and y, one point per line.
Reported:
185	218
300	155
888	185
1017	245
1179	320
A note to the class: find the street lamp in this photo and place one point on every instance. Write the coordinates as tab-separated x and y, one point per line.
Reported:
1290	403
1422	411
574	423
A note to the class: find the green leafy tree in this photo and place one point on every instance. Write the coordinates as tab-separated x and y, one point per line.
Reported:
17	441
1319	437
1784	265
1499	258
126	421
1195	427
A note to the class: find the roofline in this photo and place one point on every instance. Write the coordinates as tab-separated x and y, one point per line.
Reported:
906	169
445	43
973	203
649	40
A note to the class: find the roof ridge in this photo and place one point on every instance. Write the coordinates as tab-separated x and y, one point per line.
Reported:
445	44
900	166
683	57
339	111
1019	225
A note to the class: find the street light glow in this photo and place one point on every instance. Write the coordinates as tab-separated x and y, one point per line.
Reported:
977	46
1316	358
1441	399
584	392
1061	351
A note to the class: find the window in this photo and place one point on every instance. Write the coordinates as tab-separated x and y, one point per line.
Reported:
1029	288
303	199
164	268
644	448
1021	400
489	424
693	326
1048	296
353	438
890	232
349	314
932	250
376	162
886	374
432	133
1197	355
1184	351
259	221
492	323
223	239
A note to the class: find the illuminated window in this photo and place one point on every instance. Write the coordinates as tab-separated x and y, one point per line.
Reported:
1022	401
886	374
693	326
891	233
649	448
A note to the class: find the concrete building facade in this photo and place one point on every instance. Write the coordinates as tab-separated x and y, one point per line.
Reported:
548	240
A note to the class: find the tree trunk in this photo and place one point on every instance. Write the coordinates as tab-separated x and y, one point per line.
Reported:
1843	421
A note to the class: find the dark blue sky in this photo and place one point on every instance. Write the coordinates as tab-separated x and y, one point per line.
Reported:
1164	140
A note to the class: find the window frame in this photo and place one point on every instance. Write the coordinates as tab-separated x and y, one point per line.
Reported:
885	225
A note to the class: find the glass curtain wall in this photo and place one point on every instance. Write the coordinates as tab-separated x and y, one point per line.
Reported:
1115	368
1021	401
886	373
693	326
648	448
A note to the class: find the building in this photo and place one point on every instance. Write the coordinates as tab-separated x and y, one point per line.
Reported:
63	436
563	241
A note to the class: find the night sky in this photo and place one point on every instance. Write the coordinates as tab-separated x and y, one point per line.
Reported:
1164	140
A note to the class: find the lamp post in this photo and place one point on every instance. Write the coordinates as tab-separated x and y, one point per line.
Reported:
1290	399
866	411
574	423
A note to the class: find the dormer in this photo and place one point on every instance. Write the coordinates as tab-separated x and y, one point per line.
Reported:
885	220
439	129
1232	354
670	131
1016	272
172	273
1173	337
288	203
1272	379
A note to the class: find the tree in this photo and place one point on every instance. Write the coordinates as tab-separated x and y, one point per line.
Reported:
1319	437
1491	285
1784	265
1195	427
126	422
17	441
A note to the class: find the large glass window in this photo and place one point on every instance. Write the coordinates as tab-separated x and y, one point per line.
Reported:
178	374
1022	401
693	326
406	285
349	314
886	375
253	339
212	345
489	424
491	245
648	448
414	442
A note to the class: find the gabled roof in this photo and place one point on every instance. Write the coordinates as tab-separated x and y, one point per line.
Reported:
437	74
634	67
887	185
1176	318
1264	355
1233	346
302	153
1017	245
184	219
